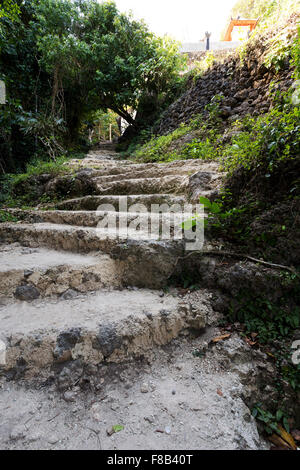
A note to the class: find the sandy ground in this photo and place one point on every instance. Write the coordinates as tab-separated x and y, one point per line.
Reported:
171	399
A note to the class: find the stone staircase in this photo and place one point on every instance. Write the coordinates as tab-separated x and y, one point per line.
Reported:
85	324
71	289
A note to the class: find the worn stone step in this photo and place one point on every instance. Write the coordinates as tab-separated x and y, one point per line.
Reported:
166	184
79	239
93	218
117	167
120	203
29	273
106	326
143	262
114	173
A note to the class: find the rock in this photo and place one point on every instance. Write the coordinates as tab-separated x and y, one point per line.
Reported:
145	388
71	186
69	375
110	431
52	439
69	294
65	343
96	412
70	396
27	273
27	292
107	340
18	432
225	111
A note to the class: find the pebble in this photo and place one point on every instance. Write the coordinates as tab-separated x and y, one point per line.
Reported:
35	436
52	439
110	431
145	388
17	432
69	396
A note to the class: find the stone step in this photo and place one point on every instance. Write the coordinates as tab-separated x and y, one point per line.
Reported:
117	167
106	326
114	173
93	218
142	262
166	184
120	203
30	273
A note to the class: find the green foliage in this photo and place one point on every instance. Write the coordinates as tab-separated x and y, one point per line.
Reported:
217	216
111	59
269	420
213	107
100	123
265	141
295	56
271	322
201	66
279	51
173	146
46	129
7	217
143	137
9	9
38	167
274	325
157	149
269	11
201	149
64	60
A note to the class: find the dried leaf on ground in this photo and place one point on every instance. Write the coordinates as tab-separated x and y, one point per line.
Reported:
279	442
250	342
287	437
220	338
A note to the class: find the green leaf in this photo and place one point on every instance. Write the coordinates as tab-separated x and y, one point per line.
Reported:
286	424
206	202
188	224
215	208
118	428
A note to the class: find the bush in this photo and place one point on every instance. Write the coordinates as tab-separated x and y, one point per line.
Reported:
158	148
265	141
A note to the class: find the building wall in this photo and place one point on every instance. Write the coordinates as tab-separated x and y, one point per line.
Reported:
214	46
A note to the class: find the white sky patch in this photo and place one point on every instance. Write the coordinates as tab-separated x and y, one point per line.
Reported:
185	20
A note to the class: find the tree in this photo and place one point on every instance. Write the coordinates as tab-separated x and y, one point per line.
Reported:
26	84
9	9
62	60
100	58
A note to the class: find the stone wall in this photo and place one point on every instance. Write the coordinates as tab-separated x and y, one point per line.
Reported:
244	85
194	57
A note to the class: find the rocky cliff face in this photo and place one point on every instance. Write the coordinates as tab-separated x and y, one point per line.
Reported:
243	79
